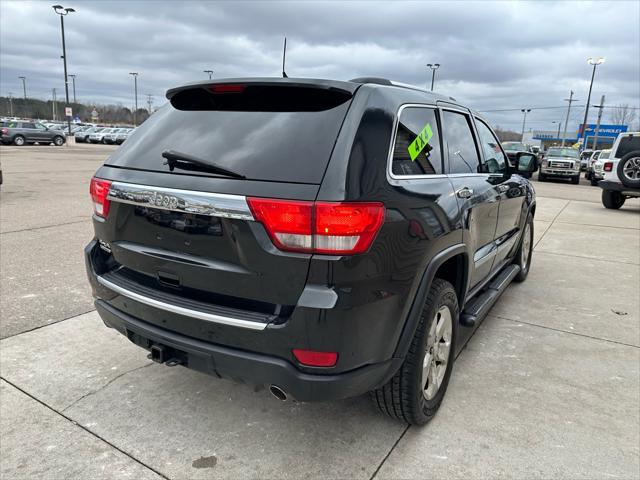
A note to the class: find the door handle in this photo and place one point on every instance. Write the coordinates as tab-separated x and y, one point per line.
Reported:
465	192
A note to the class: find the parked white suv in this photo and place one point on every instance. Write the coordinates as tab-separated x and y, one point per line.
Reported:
622	171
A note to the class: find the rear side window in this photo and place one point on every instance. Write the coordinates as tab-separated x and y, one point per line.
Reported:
279	134
460	144
417	147
29	125
627	144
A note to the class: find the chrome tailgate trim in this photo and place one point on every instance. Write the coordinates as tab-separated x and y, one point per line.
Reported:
185	201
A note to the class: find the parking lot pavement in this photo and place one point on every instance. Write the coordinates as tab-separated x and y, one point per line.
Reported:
549	386
45	214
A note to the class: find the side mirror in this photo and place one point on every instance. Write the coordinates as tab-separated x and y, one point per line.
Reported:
526	162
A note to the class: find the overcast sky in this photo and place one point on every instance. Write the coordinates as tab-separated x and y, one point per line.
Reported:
494	55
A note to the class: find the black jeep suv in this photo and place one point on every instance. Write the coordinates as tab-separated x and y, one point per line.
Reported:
323	238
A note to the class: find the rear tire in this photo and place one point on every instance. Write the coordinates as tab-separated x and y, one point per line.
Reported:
575	180
525	251
58	141
594	182
409	396
18	140
629	169
611	199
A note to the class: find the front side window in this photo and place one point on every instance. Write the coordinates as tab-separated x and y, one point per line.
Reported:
40	127
459	142
417	148
28	125
494	160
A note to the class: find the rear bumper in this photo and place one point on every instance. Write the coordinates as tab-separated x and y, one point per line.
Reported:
248	367
618	187
261	356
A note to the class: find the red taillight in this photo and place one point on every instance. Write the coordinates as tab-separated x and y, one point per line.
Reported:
319	227
608	166
315	359
99	190
228	88
5	131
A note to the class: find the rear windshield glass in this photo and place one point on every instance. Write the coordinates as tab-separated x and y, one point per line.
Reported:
604	154
285	146
627	144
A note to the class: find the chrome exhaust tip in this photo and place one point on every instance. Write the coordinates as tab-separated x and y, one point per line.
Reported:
278	392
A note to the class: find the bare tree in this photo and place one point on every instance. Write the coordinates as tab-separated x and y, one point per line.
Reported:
623	114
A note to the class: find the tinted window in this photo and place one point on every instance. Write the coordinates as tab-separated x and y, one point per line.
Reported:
604	154
28	125
628	144
563	152
417	148
493	156
515	146
289	146
459	142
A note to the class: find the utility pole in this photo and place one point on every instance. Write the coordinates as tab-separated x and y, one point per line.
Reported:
10	104
149	101
73	81
566	121
600	108
135	89
524	120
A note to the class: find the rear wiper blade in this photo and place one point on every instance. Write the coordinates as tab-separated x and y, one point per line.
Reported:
187	162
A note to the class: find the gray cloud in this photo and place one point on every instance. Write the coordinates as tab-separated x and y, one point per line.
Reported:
494	55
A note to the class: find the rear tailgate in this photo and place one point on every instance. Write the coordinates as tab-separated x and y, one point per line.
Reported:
189	237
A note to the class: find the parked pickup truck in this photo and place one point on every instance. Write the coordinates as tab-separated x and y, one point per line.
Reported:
621	171
322	238
560	162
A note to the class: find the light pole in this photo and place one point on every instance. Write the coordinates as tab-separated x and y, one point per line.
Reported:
24	90
63	12
73	81
559	124
433	67
10	104
24	86
210	72
595	62
135	89
524	120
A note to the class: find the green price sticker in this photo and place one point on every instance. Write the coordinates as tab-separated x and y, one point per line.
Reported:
420	142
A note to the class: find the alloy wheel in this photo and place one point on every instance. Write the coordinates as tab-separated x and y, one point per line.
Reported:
436	358
631	169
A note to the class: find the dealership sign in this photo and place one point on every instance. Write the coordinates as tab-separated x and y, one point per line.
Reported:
604	130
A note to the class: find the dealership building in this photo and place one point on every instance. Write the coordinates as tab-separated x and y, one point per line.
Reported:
550	138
